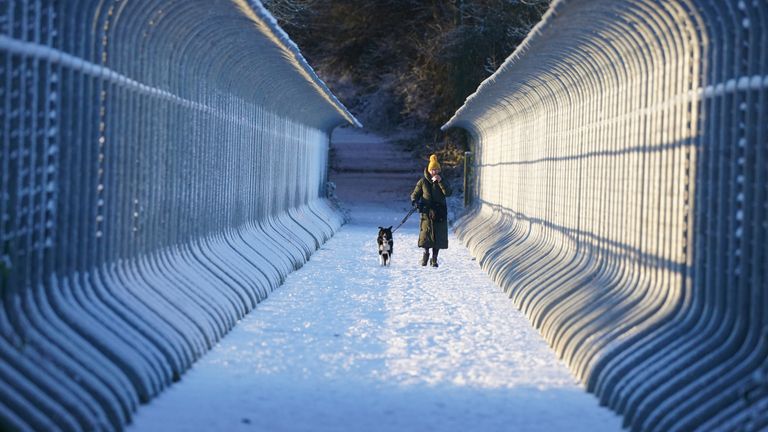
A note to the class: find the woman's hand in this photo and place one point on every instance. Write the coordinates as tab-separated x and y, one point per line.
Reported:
436	178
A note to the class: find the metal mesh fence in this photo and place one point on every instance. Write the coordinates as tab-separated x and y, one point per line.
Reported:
622	203
161	168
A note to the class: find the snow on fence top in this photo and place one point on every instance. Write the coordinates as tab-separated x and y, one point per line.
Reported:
622	201
162	167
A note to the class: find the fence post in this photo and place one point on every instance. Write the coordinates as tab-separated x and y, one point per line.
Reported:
467	193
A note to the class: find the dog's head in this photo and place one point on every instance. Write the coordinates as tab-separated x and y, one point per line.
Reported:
385	233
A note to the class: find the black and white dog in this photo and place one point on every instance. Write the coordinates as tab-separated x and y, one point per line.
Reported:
386	245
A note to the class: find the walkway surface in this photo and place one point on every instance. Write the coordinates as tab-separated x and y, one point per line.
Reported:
345	344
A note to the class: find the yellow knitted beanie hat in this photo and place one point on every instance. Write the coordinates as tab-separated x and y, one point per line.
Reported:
433	163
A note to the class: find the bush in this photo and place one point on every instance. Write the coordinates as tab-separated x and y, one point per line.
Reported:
407	64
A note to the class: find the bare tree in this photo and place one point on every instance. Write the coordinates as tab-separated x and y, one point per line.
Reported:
286	11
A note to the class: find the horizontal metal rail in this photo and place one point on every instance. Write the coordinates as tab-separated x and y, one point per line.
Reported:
162	164
622	202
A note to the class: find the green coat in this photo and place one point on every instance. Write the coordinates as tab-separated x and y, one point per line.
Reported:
431	234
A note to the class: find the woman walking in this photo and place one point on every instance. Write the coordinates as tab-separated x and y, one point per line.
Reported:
430	193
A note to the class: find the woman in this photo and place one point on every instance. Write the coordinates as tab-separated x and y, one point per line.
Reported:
433	229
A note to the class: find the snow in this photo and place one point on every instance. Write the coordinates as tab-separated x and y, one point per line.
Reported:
346	344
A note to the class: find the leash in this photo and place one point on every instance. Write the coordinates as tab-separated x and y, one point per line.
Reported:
405	219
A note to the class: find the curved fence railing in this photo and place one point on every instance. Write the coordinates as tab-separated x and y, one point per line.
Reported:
622	182
162	165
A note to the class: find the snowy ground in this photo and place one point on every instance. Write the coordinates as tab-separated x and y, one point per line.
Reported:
346	345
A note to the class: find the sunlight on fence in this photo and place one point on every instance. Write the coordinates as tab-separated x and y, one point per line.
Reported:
621	202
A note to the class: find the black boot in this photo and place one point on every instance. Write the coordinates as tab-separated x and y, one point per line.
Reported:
433	262
425	258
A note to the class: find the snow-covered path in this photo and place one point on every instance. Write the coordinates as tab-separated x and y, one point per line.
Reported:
346	345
